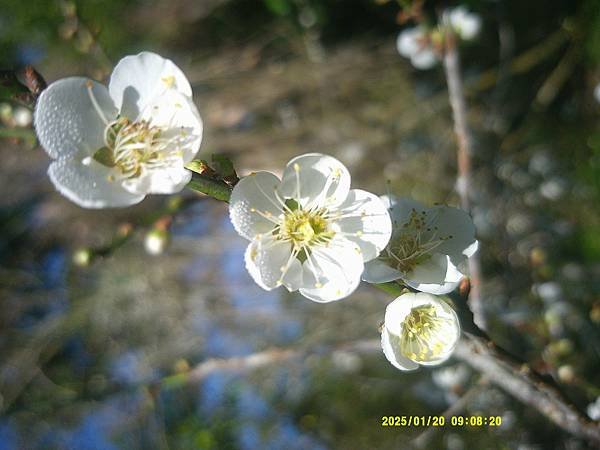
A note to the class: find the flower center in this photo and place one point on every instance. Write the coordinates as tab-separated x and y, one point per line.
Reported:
132	146
413	242
425	335
305	228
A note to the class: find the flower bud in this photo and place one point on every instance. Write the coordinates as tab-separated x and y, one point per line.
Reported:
156	241
82	257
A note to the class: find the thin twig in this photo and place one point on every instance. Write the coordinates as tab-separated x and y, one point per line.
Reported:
525	385
457	408
464	151
261	359
505	371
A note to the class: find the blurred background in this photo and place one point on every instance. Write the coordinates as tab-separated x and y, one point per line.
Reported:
97	307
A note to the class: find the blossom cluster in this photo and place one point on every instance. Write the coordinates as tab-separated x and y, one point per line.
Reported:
422	44
308	231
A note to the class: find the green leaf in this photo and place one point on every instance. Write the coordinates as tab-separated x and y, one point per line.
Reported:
223	166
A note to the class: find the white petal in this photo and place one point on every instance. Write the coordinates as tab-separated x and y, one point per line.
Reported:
88	184
401	208
471	249
270	264
178	115
430	271
392	352
424	59
160	180
315	179
407	42
458	225
66	121
138	79
368	223
332	273
450	281
466	24
396	312
253	205
376	271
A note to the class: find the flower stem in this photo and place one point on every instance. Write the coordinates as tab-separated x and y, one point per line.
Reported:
209	182
213	188
464	151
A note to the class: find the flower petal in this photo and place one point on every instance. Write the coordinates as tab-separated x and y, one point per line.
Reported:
466	24
458	226
471	249
366	222
396	311
400	208
332	273
138	79
376	271
271	264
407	42
424	59
435	276
253	205
88	184
178	115
450	282
66	121
160	180
392	352
315	180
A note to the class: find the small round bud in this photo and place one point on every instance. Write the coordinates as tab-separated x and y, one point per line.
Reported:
22	117
181	366
156	241
82	257
6	114
566	373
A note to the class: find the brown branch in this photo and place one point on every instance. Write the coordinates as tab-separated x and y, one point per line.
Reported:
464	151
261	359
520	381
480	353
457	408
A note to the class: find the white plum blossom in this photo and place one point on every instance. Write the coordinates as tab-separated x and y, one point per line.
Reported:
423	45
463	22
419	329
309	231
113	146
415	44
427	247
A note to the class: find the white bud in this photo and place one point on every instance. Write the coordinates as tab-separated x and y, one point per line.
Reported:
155	242
23	117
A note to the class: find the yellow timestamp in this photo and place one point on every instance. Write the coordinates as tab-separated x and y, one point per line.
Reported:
441	421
